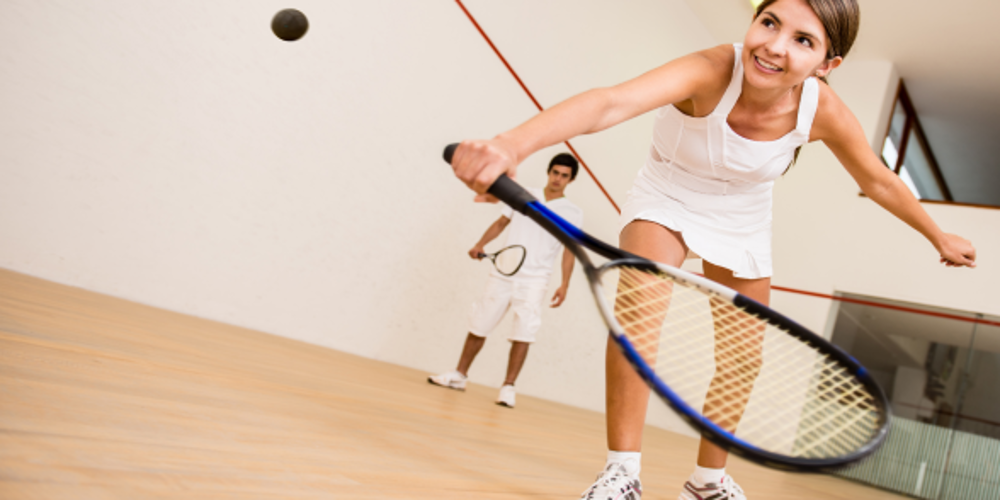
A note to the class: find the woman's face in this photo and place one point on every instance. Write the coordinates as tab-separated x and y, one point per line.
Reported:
785	45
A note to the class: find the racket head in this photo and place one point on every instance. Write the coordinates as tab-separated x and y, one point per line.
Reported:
829	411
508	260
747	378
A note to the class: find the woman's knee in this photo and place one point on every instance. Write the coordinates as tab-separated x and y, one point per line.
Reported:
653	241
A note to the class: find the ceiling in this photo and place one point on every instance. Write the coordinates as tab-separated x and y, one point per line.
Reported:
948	54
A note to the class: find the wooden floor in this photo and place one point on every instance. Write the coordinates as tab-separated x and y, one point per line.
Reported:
104	398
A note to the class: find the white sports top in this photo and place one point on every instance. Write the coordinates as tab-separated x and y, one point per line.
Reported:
541	248
711	184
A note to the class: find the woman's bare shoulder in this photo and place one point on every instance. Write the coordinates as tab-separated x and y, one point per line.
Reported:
684	81
831	114
716	61
723	56
714	70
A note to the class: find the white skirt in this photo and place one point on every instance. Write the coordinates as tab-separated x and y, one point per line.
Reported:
731	230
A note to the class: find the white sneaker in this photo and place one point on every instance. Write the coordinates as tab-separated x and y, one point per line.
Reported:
451	380
506	397
614	483
727	489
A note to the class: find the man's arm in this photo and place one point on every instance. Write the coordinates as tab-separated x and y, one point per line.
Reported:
567	270
491	234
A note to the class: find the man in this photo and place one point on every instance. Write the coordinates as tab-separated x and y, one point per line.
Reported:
524	292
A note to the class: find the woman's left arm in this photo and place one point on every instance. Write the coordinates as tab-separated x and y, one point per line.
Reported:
838	128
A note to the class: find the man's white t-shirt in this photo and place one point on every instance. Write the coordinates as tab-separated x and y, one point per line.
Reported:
541	248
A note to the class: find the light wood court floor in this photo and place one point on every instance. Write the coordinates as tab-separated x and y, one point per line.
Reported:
104	398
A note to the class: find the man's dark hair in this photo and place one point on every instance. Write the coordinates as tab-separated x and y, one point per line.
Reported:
566	160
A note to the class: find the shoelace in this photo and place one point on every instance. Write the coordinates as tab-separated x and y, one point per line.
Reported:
731	489
607	479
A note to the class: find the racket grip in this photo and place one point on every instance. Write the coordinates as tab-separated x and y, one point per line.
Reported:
449	151
504	188
511	193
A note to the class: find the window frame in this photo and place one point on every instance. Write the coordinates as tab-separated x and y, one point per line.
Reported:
911	126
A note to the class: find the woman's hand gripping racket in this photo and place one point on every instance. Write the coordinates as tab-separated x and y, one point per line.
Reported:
747	378
508	260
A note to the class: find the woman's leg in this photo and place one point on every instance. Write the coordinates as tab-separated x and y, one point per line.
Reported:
626	395
709	455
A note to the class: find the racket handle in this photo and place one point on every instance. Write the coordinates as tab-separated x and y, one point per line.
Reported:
482	255
504	188
449	151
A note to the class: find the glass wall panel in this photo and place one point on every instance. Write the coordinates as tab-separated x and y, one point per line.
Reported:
942	376
974	458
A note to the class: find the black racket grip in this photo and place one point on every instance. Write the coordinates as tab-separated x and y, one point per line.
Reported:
504	188
449	151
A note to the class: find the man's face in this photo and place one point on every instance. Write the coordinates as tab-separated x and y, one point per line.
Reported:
559	177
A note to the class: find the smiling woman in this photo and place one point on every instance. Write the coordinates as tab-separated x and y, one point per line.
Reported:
840	21
728	123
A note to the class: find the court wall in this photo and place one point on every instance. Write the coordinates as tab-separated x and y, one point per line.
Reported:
827	238
178	154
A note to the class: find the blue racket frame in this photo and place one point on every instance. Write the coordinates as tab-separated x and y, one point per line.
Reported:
576	240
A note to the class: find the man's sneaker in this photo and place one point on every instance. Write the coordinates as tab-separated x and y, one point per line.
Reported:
451	380
727	489
506	397
614	483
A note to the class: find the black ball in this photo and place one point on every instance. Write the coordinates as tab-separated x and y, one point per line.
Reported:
289	25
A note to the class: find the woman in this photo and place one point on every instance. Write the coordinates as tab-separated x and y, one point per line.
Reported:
731	121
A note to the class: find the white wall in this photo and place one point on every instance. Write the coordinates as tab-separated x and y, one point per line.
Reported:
828	238
179	155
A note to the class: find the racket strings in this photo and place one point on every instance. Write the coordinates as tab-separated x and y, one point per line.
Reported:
509	260
771	389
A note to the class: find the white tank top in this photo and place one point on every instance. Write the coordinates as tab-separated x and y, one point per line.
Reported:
703	179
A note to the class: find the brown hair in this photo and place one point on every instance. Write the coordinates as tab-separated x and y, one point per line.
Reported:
840	18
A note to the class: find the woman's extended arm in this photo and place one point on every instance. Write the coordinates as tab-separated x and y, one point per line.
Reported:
479	162
838	128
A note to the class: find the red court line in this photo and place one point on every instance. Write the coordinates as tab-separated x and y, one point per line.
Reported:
599	185
532	97
888	306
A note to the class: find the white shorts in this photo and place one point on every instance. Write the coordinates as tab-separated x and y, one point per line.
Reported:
524	298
